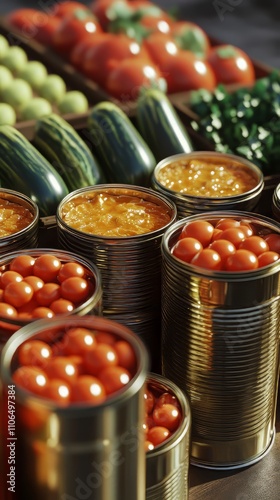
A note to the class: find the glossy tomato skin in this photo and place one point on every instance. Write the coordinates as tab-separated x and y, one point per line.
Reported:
201	230
161	48
190	36
100	9
231	65
186	72
78	54
65	8
186	248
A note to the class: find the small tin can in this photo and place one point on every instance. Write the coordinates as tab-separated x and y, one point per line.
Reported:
167	465
25	237
79	449
130	266
220	345
92	305
188	203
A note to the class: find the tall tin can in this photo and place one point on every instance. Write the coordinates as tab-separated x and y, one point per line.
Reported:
220	345
75	450
167	465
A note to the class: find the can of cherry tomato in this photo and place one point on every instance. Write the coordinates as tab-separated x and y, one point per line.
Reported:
220	331
19	221
120	228
204	181
168	430
73	410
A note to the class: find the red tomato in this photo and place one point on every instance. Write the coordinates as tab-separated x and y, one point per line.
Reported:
35	282
149	399
167	415
47	294
46	267
45	33
65	8
63	368
100	9
255	244
247	229
189	36
158	435
223	224
208	259
167	398
25	312
78	340
88	389
7	311
57	390
242	260
79	53
31	378
75	289
100	357
22	264
70	269
10	277
125	81
157	24
73	28
42	313
18	293
114	378
34	352
185	72
186	248
201	230
105	338
273	241
233	234
62	306
126	355
231	65
161	47
224	248
28	21
148	446
267	258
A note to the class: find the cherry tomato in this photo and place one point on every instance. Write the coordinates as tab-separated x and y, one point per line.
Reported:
25	312
114	378
273	241
7	311
57	390
31	378
35	282
185	72
158	435
18	293
161	47
10	277
70	269
46	31
168	416
149	401
208	259
223	224
224	248
105	338
46	267
126	355
62	306
75	289
148	446
157	24
63	368
255	244
65	8
88	389
42	312
78	55
28	21
186	248
78	340
167	398
242	260
267	258
22	264
34	352
47	294
198	229
233	234
190	36
78	361
100	357
231	65
247	230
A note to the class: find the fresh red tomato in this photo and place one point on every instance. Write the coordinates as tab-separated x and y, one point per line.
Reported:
105	338
190	36
63	368
233	234
223	224
242	260
70	269
158	435
167	415
57	390
47	294
75	289
126	355
167	398
34	352
267	258
148	446
62	306
186	248
35	282
42	312
10	277
247	229
208	259
224	248
18	293
231	65
255	244
126	80
186	72
22	264
72	29
101	9
63	9
31	378
46	267
99	358
45	32
273	241
79	53
201	230
157	24
88	389
161	47
78	340
7	311
114	378
28	21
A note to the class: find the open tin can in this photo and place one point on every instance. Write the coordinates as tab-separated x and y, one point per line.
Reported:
220	345
75	449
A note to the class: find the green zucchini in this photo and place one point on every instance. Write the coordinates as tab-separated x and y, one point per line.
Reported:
124	155
24	169
59	142
160	125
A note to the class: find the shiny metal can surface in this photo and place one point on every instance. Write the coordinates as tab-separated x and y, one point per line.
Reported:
27	237
79	449
130	266
167	465
275	205
220	345
188	204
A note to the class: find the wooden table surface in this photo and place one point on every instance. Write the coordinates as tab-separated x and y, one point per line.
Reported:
260	481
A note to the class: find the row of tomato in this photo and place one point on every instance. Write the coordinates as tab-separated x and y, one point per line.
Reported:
123	45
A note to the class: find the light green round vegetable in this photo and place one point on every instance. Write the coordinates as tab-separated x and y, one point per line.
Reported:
6	77
35	73
74	101
36	108
7	114
4	47
53	88
15	59
17	93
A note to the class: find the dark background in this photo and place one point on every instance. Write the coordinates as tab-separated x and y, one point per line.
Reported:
253	25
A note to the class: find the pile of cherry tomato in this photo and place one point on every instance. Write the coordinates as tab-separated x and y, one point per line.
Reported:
226	245
124	45
83	366
42	287
163	415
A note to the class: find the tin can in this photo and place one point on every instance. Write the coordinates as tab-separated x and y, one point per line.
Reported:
167	466
220	345
188	204
130	267
78	450
92	305
26	237
275	205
